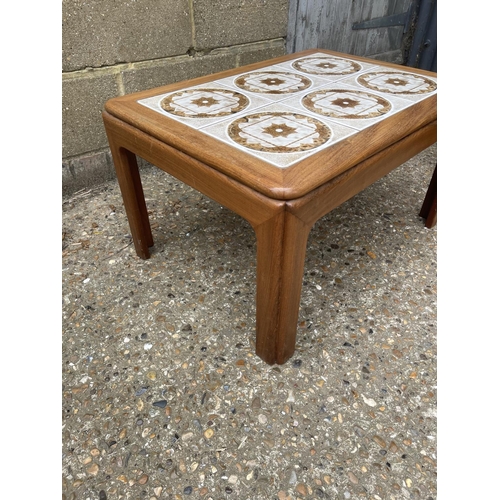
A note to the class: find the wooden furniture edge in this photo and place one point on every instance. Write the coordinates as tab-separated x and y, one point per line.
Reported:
302	178
253	206
324	199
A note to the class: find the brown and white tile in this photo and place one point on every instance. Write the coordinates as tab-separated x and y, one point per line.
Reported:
274	82
349	105
200	105
327	66
279	134
392	82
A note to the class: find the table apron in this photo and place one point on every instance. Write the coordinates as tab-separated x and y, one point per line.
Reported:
253	206
311	207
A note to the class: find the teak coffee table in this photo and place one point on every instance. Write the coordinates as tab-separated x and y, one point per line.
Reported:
281	143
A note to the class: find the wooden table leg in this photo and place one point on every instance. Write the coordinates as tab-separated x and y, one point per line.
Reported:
429	206
281	250
127	173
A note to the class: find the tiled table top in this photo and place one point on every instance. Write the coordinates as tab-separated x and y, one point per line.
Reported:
286	112
285	126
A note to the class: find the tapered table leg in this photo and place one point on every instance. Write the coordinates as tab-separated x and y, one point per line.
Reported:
429	206
127	173
281	250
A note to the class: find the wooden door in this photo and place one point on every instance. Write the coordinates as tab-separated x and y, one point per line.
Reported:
400	31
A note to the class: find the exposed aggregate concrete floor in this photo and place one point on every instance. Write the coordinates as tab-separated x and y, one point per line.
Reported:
163	396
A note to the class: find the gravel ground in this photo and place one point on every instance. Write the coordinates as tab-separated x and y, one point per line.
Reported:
163	396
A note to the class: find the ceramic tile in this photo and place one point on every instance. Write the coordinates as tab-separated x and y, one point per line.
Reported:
326	66
203	104
274	82
286	112
279	134
391	82
349	105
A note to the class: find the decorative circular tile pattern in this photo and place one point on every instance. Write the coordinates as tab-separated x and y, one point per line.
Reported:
326	66
342	103
396	82
279	132
273	82
204	103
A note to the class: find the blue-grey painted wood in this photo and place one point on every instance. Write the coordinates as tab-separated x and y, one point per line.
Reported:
423	50
328	24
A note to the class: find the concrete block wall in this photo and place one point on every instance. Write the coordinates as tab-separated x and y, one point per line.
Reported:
112	48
